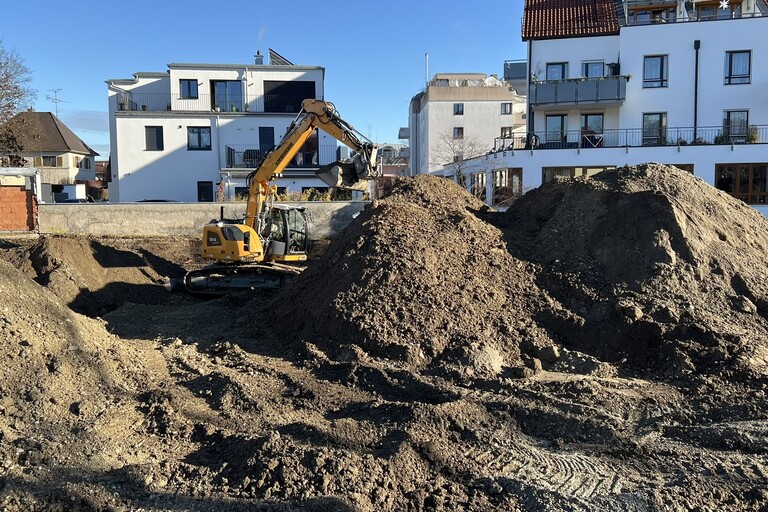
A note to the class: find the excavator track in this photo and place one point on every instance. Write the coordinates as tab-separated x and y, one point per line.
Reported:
221	279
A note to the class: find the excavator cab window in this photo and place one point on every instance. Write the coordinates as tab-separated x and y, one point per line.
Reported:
276	225
297	230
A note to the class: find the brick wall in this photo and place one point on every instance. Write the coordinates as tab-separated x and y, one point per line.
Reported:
18	209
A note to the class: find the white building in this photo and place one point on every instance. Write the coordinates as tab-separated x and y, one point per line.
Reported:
194	132
634	81
458	116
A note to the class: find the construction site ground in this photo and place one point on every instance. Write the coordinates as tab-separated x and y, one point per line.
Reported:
602	345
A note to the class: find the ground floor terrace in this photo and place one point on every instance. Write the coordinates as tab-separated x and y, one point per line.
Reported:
738	169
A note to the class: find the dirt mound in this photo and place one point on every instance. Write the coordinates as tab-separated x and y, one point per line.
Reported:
650	263
66	386
419	278
385	378
96	275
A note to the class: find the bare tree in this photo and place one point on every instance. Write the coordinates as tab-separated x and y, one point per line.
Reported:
15	96
15	77
455	153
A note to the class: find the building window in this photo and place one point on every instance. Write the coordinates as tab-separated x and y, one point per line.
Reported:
198	138
550	173
748	182
188	89
458	109
737	67
593	69
477	185
592	130
735	124
458	132
655	129
227	95
713	10
645	16
154	138
458	156
557	71
205	191
507	132
507	185
506	109
556	126
49	161
655	71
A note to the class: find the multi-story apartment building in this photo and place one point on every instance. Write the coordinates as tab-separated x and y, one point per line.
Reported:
195	132
616	82
458	116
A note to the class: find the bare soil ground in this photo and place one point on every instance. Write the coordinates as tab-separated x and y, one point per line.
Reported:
602	345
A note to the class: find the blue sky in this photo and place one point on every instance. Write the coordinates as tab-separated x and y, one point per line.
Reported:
373	54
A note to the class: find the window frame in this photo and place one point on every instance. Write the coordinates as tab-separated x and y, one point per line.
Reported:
562	131
731	79
741	136
507	132
661	136
458	109
585	66
506	108
663	79
750	195
563	71
458	132
200	146
189	94
157	141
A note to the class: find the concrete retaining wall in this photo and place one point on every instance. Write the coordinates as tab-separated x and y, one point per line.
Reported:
185	219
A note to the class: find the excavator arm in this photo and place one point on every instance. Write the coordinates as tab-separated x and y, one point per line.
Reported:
344	174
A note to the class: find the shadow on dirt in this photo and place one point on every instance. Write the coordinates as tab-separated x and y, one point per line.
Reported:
86	490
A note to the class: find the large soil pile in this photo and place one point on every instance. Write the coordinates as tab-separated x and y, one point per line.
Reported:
420	278
651	264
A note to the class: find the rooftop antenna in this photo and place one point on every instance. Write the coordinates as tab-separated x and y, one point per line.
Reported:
55	100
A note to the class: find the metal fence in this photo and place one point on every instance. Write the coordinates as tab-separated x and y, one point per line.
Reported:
634	137
156	102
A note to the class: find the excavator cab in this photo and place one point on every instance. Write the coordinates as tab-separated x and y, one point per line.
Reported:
286	231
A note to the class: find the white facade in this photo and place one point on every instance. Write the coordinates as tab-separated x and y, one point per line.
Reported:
195	132
648	112
461	113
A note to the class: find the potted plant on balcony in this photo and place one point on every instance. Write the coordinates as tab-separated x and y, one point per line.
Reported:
722	138
753	135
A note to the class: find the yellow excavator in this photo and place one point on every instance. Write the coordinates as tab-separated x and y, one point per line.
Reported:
257	251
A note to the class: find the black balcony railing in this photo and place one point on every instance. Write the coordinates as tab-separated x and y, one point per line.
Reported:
249	156
156	102
634	137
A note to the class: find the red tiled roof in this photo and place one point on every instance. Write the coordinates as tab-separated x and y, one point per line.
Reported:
547	19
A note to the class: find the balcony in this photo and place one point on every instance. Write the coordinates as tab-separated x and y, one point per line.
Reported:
609	90
250	156
634	137
129	101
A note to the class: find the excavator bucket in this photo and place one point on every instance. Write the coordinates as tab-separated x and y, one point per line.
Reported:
343	175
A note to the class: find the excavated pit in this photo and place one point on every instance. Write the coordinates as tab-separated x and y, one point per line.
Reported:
599	346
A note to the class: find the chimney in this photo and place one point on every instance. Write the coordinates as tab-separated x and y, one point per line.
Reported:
259	58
